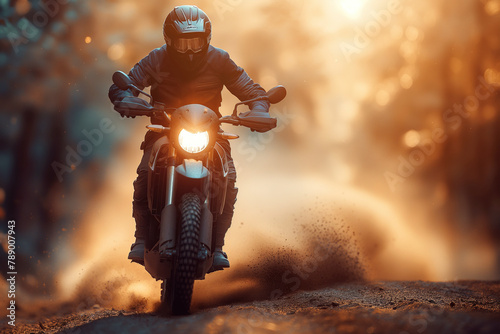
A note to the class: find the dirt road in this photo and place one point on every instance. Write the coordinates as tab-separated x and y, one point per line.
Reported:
378	307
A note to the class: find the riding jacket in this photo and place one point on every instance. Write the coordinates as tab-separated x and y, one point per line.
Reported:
176	87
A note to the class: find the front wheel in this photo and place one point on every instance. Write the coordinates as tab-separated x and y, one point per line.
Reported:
177	292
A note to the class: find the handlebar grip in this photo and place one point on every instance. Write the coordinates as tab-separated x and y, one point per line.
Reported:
142	113
133	112
259	124
134	106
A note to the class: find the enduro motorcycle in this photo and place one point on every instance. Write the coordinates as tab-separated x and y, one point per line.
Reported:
187	181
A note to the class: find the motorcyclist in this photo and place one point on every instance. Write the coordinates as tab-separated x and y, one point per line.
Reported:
187	70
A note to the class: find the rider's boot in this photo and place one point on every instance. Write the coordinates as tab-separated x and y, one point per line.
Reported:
137	251
220	259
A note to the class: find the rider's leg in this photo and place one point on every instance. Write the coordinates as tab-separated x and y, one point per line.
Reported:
224	220
222	225
141	211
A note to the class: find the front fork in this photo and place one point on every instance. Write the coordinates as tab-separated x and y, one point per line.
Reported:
180	179
168	214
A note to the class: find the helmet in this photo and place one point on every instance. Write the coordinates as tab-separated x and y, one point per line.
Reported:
187	32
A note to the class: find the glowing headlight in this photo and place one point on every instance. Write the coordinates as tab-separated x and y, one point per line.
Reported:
193	142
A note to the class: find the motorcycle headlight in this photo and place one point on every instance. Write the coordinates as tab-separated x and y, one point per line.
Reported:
193	142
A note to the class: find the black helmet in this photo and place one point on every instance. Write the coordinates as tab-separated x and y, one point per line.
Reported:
187	29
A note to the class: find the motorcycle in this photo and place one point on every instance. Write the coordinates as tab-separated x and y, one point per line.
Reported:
187	181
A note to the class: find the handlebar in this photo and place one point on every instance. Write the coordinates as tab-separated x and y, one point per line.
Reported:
132	106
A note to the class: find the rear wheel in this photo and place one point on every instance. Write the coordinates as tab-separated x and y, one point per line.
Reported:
177	291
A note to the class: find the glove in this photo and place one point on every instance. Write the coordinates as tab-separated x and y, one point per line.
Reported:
258	120
261	113
131	106
120	109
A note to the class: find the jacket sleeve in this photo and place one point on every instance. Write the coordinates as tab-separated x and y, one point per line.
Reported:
141	74
241	85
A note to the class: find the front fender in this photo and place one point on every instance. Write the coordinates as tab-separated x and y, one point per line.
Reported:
192	169
192	177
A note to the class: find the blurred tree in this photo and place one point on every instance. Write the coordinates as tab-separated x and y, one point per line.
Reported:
47	87
471	158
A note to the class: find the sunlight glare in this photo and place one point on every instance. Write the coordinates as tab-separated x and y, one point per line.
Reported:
352	8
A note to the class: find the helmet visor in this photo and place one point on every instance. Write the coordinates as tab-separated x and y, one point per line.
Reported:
195	44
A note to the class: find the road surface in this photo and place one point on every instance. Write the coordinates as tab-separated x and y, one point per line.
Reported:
366	307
